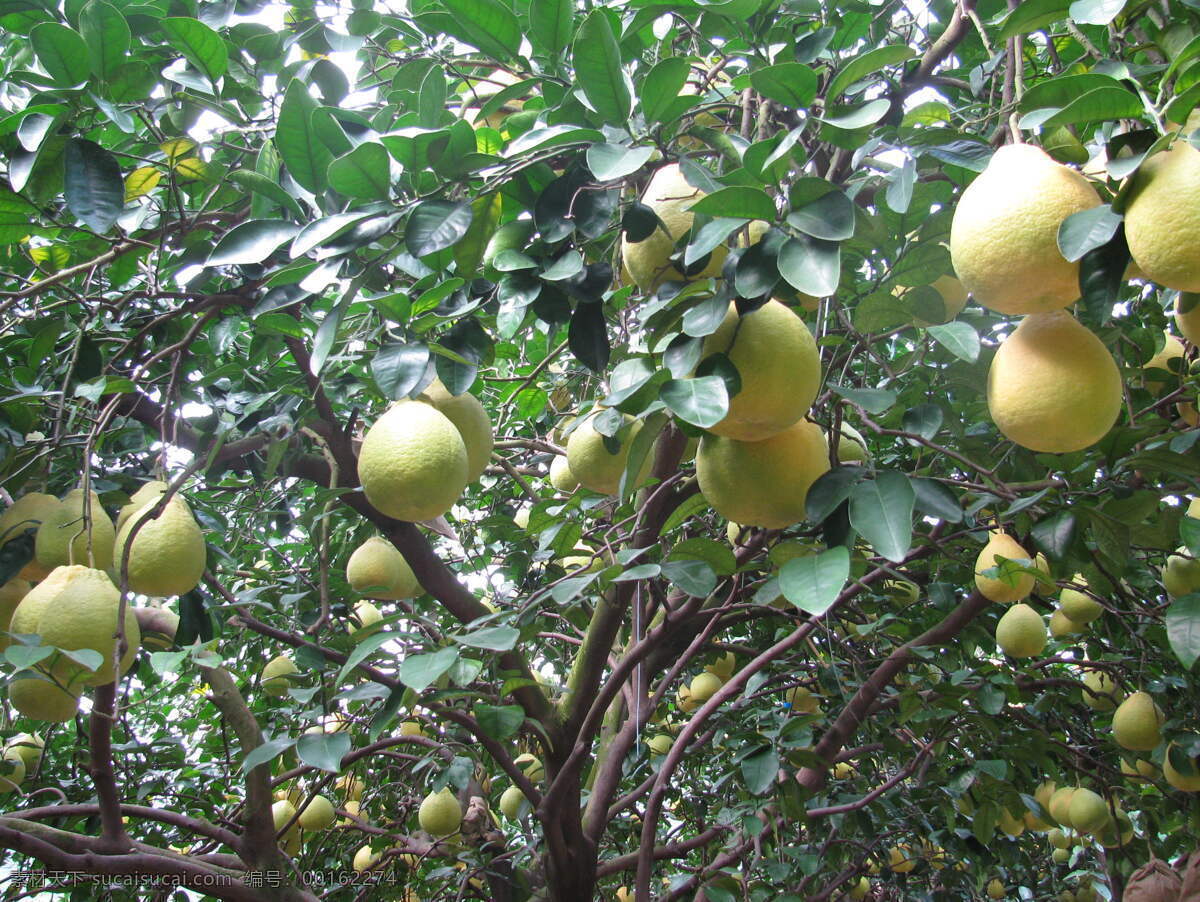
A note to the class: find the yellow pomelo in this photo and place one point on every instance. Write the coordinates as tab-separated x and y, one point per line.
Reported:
993	588
843	770
1044	792
363	616
158	627
1181	575
802	700
1053	385
531	765
27	512
278	675
43	699
1058	839
1172	349
1139	769
1161	223
1009	823
1059	805
11	594
168	554
413	462
995	888
594	465
1004	235
365	859
1188	320
1061	625
351	787
852	447
521	517
1136	723
82	615
1101	692
1088	811
779	365
282	813
378	569
1021	632
29	746
440	814
703	686
954	299
353	810
762	483
901	859
1079	606
411	728
63	539
561	476
12	771
660	743
1181	781
510	802
147	492
467	414
318	815
860	889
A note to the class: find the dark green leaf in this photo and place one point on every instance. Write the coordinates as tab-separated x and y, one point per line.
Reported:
614	161
107	36
305	155
829	217
934	499
598	70
252	242
1030	15
881	509
759	771
499	721
1087	230
551	24
363	172
959	338
266	752
811	266
587	336
436	225
399	368
738	202
872	400
640	572
693	577
323	751
860	66
94	188
487	24
813	583
661	87
262	185
1054	534
491	638
1096	12
1183	629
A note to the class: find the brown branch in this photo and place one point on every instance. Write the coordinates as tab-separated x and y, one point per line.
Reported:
195	825
100	766
674	850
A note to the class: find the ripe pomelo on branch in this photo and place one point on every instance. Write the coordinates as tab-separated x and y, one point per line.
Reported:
561	476
1021	632
1004	235
1053	386
474	425
168	554
379	570
413	462
440	814
994	588
779	366
594	465
1162	226
27	512
1137	723
63	537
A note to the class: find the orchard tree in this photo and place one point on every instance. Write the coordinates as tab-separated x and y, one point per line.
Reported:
716	532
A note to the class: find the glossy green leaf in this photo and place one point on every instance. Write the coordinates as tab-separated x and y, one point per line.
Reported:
399	368
1096	12
62	52
94	188
872	400
738	202
1087	230
1183	629
491	638
960	339
813	583
811	265
614	161
791	84
306	157
551	25
881	509
693	577
829	217
1030	15
363	172
324	751
703	401
199	44
759	770
660	89
500	722
861	66
419	672
487	24
107	36
267	751
598	70
261	185
252	242
436	225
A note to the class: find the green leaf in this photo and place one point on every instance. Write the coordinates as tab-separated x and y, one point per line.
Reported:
490	25
872	400
62	52
739	202
718	555
1112	102
199	44
1096	12
499	721
661	86
759	771
811	266
268	751
364	172
1030	15
860	66
551	25
251	242
363	650
94	189
260	184
627	378
829	217
107	36
485	215
703	402
587	336
598	70
324	751
25	656
552	136
859	116
813	583
305	155
936	500
640	572
793	85
418	672
436	225
960	339
491	638
1183	629
614	161
881	509
693	577
692	507
1087	230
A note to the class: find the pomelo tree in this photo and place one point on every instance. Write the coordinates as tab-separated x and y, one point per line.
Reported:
234	233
